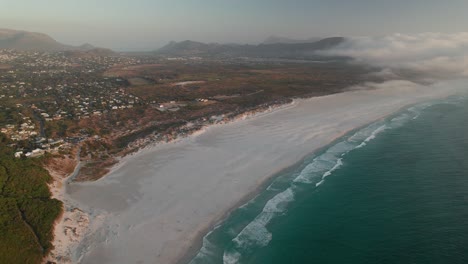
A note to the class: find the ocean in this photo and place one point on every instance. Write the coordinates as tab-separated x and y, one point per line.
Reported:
394	191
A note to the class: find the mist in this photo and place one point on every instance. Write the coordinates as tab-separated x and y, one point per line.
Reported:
436	55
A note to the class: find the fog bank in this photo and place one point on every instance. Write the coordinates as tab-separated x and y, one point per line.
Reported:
434	54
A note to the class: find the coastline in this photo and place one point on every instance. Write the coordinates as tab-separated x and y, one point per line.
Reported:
197	242
73	224
197	235
362	178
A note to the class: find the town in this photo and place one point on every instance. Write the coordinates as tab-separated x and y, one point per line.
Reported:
38	88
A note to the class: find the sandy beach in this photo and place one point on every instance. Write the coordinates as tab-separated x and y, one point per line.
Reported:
156	205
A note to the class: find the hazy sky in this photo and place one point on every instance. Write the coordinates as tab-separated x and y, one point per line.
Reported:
148	24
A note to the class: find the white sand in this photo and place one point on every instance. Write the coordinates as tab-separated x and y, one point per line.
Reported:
71	227
162	199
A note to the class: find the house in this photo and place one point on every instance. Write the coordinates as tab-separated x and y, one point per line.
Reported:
37	153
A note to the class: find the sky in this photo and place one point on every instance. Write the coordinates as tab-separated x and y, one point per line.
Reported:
127	25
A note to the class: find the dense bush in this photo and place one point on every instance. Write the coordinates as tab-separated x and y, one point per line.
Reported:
27	210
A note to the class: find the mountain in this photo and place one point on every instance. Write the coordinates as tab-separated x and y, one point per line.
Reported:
283	40
277	50
24	40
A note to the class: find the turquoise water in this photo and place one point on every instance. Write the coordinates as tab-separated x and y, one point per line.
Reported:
395	191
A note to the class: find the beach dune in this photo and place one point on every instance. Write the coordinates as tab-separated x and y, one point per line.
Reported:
160	202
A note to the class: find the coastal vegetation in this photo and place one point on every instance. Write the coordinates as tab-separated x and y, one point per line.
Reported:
28	211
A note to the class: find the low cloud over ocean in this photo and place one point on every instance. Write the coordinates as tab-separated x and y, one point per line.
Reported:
434	54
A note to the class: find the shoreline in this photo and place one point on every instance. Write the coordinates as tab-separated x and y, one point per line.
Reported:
198	241
197	238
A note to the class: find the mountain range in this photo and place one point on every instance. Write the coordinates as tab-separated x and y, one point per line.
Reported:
273	47
269	50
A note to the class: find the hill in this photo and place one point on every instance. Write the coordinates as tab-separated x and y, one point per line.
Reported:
33	41
277	50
